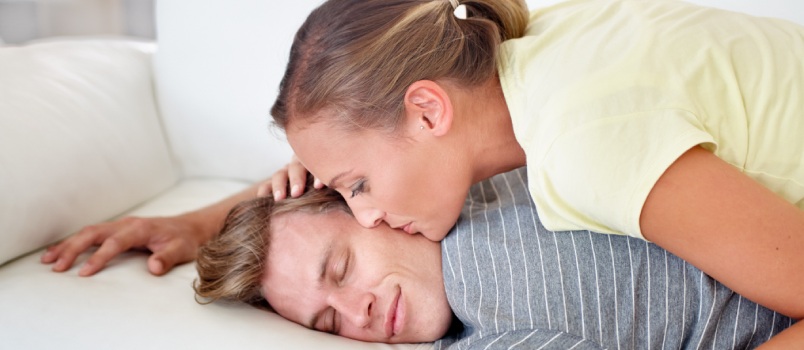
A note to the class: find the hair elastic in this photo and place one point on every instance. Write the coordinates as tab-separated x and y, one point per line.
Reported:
459	9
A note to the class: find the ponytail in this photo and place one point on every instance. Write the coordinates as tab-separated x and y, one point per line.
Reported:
353	60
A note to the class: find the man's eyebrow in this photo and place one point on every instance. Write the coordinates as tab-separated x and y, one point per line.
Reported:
322	273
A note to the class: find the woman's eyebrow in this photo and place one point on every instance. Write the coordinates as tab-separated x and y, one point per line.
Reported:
334	182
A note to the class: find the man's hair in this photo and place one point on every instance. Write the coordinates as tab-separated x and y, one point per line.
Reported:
231	265
355	59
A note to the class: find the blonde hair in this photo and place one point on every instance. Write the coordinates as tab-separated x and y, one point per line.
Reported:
231	265
355	59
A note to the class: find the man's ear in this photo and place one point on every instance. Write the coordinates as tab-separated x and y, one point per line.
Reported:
428	107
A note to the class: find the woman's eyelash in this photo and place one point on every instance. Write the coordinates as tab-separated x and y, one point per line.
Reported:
358	187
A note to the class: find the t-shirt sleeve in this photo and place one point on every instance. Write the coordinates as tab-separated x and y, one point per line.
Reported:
598	175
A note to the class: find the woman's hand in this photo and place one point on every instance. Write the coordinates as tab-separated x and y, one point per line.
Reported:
171	240
292	176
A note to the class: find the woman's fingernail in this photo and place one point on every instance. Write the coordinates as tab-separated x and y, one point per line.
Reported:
85	270
316	183
277	194
295	190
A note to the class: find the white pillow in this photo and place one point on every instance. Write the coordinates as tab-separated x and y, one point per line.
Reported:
80	138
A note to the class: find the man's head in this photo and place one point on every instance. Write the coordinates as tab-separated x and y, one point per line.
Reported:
310	261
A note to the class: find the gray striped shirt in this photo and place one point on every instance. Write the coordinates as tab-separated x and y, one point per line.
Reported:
513	284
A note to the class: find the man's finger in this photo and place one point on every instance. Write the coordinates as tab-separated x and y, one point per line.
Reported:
175	252
65	253
110	248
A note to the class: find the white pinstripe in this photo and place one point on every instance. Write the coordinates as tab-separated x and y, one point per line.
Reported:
507	254
548	342
711	310
736	323
648	318
756	320
479	278
666	299
523	340
563	288
616	304
773	327
522	246
597	287
684	298
494	341
633	295
493	264
580	286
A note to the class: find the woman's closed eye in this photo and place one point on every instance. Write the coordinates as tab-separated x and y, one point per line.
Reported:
358	188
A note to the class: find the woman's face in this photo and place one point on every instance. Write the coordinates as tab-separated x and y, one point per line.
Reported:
413	183
328	273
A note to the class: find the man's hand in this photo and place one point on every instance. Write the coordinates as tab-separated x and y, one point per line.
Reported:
171	240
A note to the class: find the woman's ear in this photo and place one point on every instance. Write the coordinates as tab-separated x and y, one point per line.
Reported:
428	107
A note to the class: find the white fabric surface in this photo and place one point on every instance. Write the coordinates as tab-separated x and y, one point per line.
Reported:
124	307
218	70
80	138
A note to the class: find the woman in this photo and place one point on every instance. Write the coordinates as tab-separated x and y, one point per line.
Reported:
657	119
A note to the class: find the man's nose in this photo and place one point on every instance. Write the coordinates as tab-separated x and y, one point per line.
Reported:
355	307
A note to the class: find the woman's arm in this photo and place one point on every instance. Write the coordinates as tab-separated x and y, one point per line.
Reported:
791	338
706	212
172	240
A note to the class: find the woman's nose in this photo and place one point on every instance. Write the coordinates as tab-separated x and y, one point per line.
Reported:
354	306
368	217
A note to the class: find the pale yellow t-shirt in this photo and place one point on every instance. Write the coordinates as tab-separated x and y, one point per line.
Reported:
605	95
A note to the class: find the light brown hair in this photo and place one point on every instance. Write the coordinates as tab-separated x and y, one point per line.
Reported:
355	59
231	265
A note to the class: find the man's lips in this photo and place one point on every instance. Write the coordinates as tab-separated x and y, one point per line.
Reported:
392	317
407	228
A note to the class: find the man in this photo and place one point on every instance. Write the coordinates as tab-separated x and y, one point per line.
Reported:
508	281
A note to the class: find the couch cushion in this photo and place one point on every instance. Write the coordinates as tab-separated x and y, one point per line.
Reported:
80	138
124	307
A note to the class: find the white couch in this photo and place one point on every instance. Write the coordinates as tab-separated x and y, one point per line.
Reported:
92	129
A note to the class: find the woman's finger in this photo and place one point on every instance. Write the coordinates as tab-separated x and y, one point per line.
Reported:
297	176
279	183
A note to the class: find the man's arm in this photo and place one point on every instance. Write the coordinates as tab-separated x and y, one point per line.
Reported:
705	211
172	240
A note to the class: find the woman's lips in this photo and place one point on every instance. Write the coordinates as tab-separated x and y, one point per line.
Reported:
408	228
